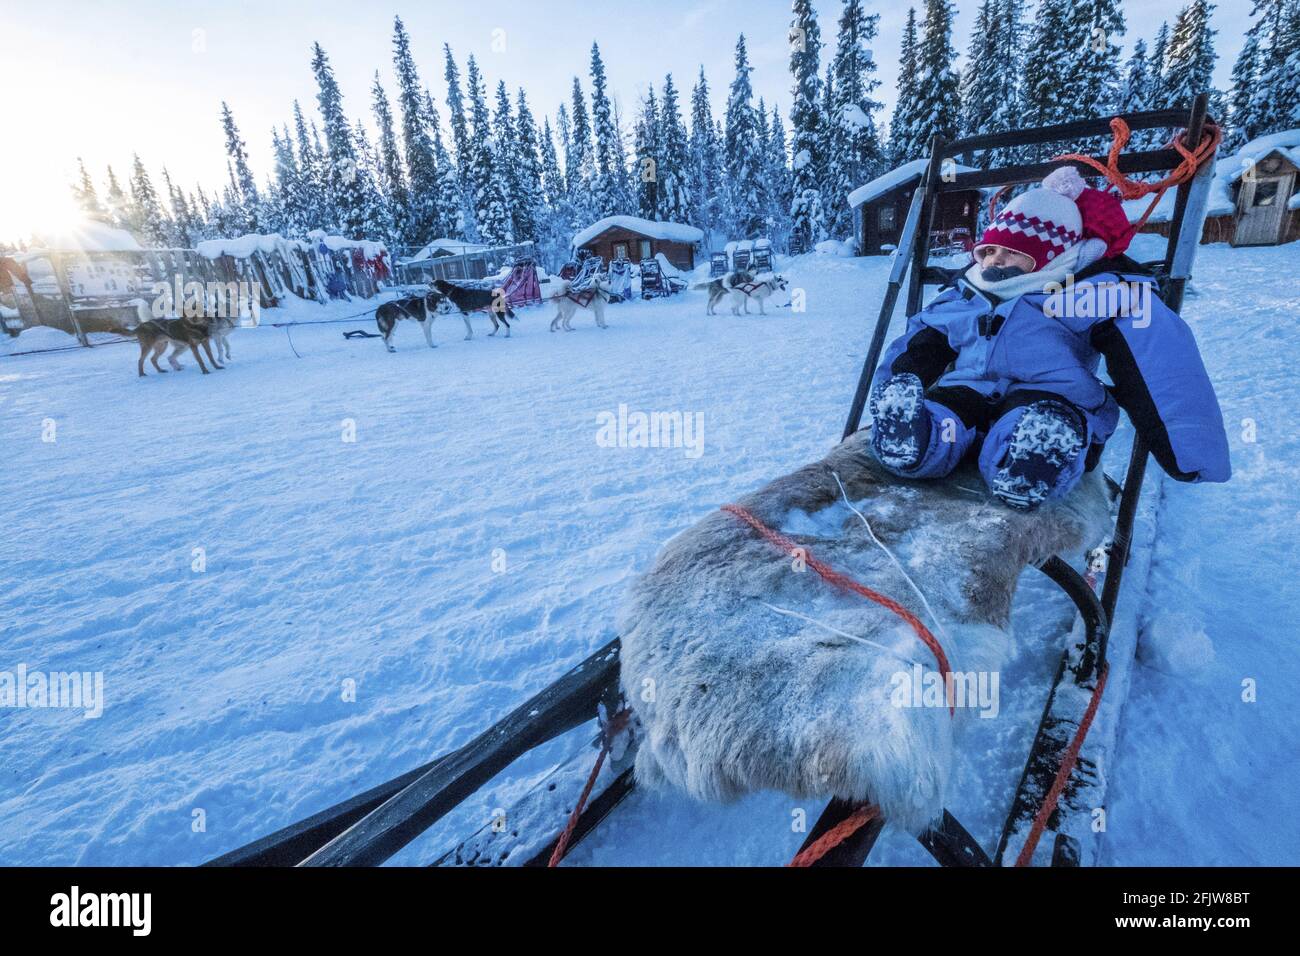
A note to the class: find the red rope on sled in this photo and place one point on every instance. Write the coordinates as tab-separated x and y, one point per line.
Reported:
1063	773
863	814
616	724
842	580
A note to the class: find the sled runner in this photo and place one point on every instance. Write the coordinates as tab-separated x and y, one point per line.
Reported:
1050	814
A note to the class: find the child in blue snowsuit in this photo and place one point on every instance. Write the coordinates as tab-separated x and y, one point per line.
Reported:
1024	330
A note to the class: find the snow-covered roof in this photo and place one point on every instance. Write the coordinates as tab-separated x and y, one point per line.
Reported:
667	231
88	236
244	246
456	247
370	247
895	178
1227	171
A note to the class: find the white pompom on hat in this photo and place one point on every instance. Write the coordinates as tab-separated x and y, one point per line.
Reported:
1042	222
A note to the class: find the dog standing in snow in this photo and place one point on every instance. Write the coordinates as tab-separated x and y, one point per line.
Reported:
568	303
759	288
722	286
468	300
418	308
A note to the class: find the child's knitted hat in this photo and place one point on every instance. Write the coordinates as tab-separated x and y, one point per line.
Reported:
1042	222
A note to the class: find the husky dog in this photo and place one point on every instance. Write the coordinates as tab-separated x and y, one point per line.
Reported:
220	328
155	335
568	303
419	308
761	288
721	287
467	300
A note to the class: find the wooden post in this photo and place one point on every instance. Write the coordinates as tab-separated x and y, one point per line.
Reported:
61	277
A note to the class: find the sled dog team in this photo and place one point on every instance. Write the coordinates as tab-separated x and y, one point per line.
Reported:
156	334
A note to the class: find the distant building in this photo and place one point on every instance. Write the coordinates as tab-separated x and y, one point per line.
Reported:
880	208
628	237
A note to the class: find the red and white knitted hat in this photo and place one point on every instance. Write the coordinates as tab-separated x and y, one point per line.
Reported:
1042	222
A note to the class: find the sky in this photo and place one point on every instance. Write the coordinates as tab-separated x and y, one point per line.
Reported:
103	79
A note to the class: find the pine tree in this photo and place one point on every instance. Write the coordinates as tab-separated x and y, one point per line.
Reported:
740	152
450	220
180	231
419	213
555	225
779	182
900	125
390	176
344	187
1245	75
146	216
808	125
579	161
116	203
246	187
1275	103
1191	56
855	152
491	203
705	163
1159	56
674	158
529	201
309	197
85	196
937	93
609	159
286	189
649	157
460	138
377	220
1093	71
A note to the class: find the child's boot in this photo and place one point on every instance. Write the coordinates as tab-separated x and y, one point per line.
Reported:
901	425
1046	441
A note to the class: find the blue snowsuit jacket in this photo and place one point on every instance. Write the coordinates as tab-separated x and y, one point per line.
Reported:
965	338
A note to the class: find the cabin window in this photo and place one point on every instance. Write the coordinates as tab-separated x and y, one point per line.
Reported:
886	219
620	250
1265	192
645	248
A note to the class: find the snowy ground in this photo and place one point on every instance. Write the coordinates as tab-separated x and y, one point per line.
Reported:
372	561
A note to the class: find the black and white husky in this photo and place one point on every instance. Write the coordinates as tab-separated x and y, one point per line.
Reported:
759	288
419	308
468	300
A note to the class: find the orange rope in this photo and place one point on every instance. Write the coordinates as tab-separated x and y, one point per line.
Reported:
1134	189
616	724
1063	773
862	814
839	579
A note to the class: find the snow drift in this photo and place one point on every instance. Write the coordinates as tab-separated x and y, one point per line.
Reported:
748	672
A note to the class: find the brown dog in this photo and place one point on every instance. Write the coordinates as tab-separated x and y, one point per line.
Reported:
156	334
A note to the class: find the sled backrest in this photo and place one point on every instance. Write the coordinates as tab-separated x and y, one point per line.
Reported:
942	176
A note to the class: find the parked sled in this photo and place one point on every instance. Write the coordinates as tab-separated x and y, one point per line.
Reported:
653	282
620	280
522	286
1057	787
718	265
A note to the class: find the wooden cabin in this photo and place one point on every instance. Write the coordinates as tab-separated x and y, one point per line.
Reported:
628	237
880	208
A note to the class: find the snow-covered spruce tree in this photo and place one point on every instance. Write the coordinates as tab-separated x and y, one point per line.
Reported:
606	188
344	187
991	95
1275	104
180	232
555	226
249	199
674	158
450	219
1189	63
376	215
779	179
1095	65
938	98
1051	56
705	176
284	190
900	124
808	126
648	153
86	197
1156	66
505	146
414	194
529	203
855	151
145	215
460	138
117	203
744	215
1245	74
309	193
390	177
491	202
579	161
